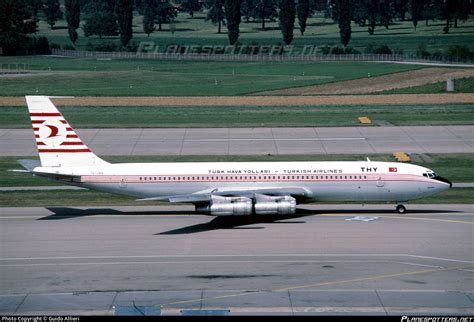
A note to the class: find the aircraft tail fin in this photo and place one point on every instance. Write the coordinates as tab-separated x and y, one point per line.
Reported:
57	142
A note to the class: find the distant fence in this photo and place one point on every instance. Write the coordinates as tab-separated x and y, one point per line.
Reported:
256	57
14	68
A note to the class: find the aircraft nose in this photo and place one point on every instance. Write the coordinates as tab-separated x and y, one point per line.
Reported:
444	180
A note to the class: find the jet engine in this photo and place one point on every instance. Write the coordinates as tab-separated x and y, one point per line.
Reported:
280	205
227	206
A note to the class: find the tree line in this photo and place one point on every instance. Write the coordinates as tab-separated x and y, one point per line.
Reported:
18	18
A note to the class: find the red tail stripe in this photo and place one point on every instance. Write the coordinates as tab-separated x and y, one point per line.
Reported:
63	150
45	114
72	143
72	136
37	121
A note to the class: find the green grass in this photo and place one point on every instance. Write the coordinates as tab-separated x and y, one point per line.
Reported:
463	85
455	167
400	35
91	77
248	116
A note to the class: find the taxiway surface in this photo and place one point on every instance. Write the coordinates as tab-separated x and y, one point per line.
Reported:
259	141
329	259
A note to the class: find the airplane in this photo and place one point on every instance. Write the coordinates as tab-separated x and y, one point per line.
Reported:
222	188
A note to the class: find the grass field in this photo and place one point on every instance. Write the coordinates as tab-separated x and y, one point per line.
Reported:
455	167
248	116
400	36
92	77
463	85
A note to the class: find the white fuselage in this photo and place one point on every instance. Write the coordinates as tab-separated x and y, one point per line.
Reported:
321	181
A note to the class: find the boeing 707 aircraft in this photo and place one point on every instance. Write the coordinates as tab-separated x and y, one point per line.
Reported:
222	188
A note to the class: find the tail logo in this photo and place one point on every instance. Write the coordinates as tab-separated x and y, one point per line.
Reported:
52	133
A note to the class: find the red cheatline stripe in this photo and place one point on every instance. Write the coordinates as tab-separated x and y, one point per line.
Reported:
45	114
72	143
63	150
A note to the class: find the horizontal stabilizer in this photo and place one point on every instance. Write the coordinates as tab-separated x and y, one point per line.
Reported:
29	165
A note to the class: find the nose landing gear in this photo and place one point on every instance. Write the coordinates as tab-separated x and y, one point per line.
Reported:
401	209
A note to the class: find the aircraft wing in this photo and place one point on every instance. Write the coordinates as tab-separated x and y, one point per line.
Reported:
206	195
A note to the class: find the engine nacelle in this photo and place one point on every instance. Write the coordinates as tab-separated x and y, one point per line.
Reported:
281	205
227	206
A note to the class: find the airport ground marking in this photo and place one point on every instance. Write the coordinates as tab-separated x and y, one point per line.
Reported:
316	285
406	217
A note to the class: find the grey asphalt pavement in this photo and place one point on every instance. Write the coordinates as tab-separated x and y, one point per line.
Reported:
259	141
329	259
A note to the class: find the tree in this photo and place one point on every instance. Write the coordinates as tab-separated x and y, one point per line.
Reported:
52	11
191	6
303	12
73	18
462	11
148	17
248	9
447	10
16	22
124	12
232	15
342	12
287	19
416	10
401	7
266	9
101	24
216	13
373	12
165	12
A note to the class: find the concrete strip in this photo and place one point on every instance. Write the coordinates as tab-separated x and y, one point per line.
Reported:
245	141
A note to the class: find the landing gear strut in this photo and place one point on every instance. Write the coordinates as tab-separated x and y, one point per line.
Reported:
401	209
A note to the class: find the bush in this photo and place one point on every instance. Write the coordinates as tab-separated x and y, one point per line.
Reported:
460	52
383	50
68	47
54	45
336	50
422	51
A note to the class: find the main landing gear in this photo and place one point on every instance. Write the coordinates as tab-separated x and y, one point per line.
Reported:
401	209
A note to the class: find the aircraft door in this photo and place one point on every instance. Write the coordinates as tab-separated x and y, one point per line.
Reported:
123	183
380	182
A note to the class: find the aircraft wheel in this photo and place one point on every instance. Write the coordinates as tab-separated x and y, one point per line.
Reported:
401	209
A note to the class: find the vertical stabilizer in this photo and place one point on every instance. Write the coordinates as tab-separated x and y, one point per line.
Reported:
58	145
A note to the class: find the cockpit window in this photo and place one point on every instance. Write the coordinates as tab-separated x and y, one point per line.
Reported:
429	174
